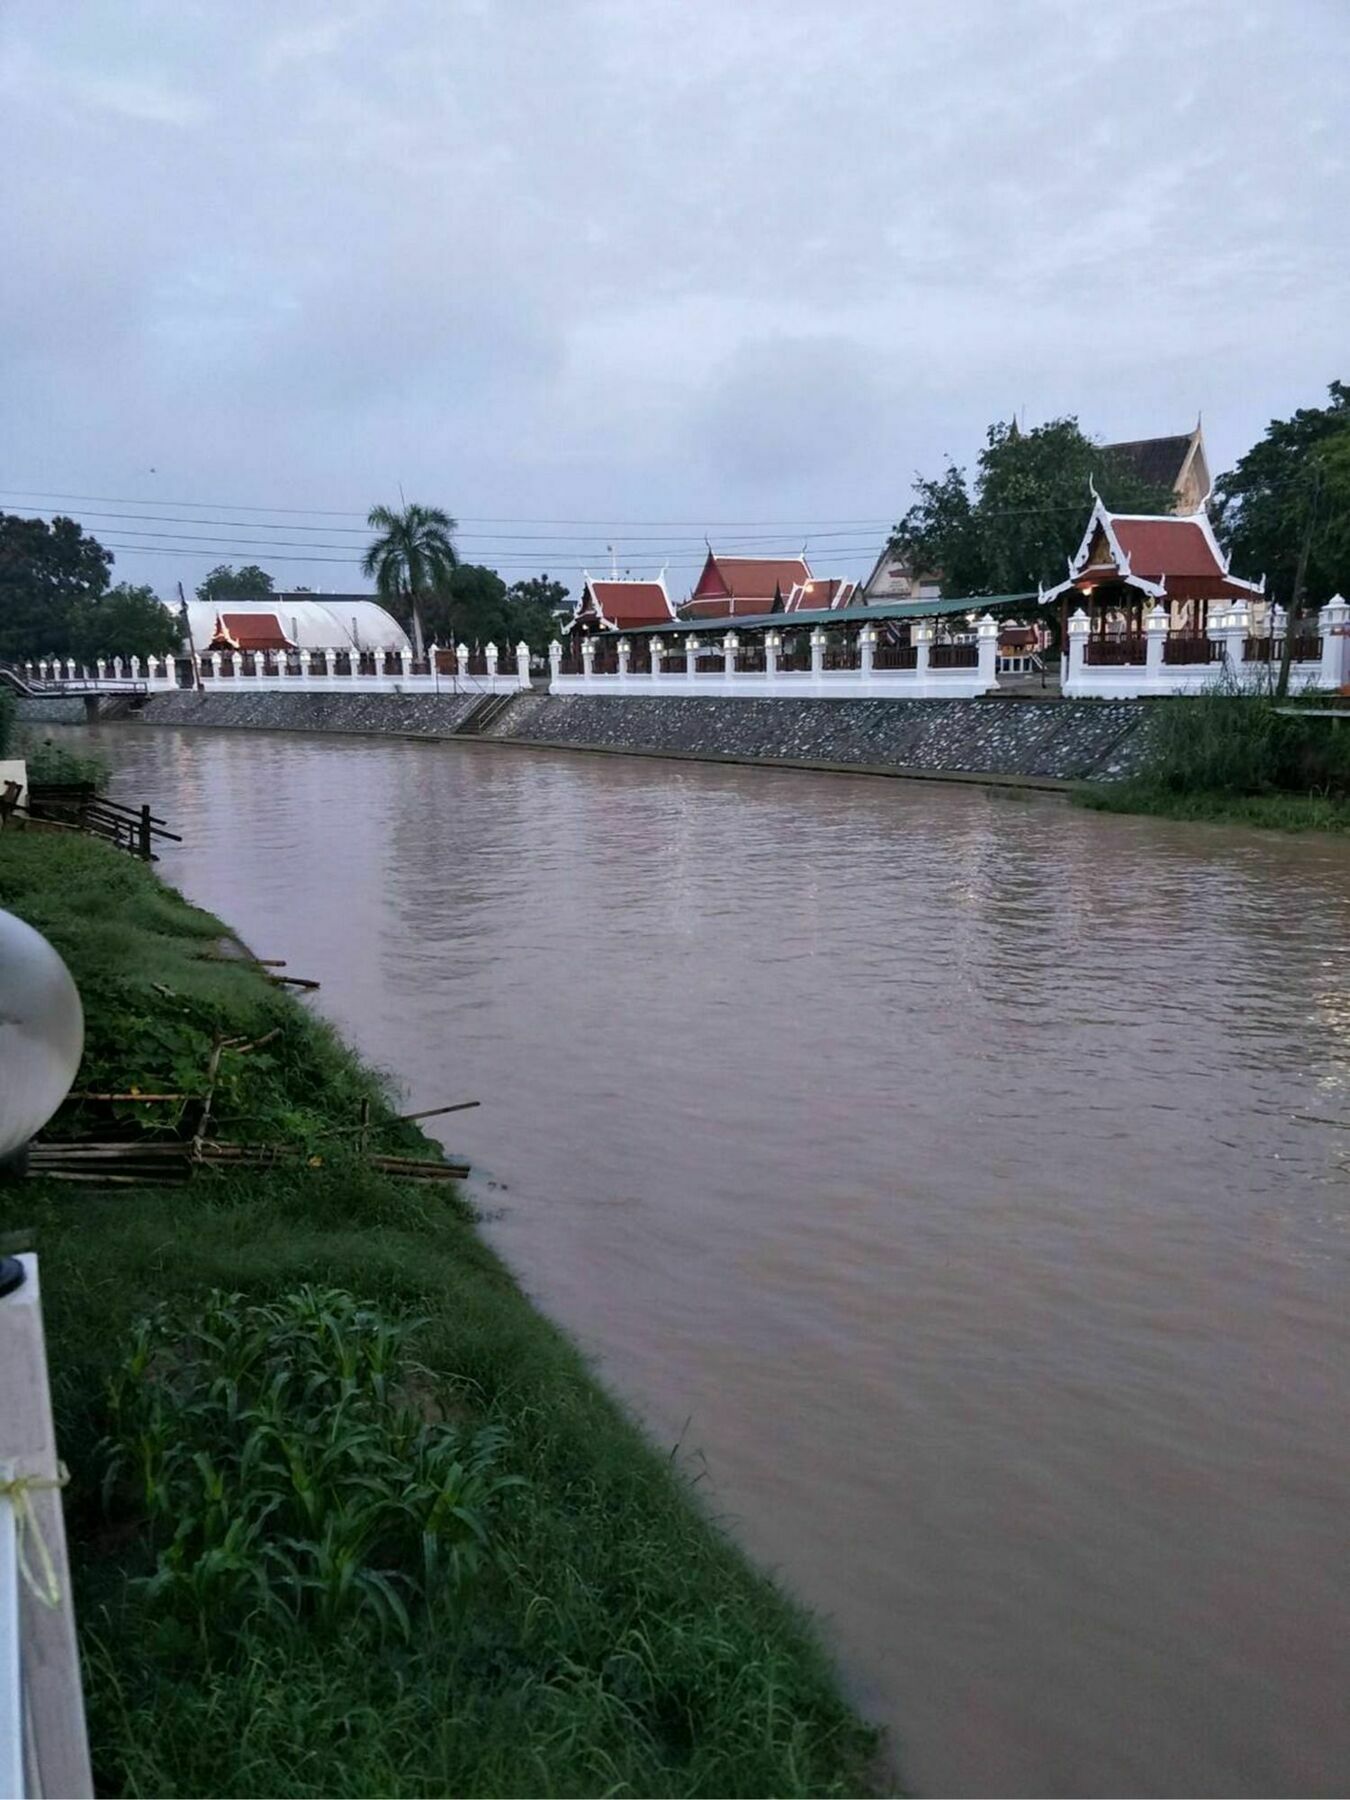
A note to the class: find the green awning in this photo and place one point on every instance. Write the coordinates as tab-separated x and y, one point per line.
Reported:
843	615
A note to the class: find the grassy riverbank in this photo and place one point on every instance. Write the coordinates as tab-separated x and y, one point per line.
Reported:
347	1515
1237	758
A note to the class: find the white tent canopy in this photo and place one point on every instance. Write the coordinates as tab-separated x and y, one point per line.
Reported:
311	621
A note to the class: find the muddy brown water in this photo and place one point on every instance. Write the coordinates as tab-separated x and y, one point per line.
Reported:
940	1170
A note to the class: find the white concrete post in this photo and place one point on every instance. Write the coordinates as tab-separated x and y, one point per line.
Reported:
773	643
690	655
353	661
491	653
658	651
817	653
1237	624
867	643
236	664
405	663
1334	624
117	668
102	668
135	668
523	663
555	655
625	650
216	660
1079	626
28	671
1156	627
461	660
304	665
1216	628
729	646
70	668
588	659
986	633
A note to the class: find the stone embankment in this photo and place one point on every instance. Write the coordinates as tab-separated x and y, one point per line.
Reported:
1036	741
1053	740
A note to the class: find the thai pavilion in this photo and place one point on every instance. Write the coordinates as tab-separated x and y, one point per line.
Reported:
1129	563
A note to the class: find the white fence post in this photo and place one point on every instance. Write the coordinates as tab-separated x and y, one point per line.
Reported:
1079	626
523	663
625	651
461	660
554	662
690	655
730	643
817	653
492	654
658	651
588	659
867	643
1156	627
986	636
1334	624
772	645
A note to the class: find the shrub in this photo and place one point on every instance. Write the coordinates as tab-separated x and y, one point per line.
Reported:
1229	742
50	762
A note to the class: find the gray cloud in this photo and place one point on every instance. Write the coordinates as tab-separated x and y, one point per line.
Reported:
649	259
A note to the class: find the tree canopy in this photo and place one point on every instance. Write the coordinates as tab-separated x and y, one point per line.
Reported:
413	557
1016	524
1291	489
226	583
48	574
126	621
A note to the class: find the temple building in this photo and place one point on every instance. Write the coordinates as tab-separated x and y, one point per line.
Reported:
620	603
732	586
1128	563
892	579
291	621
1177	463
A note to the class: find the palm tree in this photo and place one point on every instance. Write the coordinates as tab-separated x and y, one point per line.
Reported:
414	554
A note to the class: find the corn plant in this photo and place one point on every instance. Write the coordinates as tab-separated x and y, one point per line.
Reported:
276	1457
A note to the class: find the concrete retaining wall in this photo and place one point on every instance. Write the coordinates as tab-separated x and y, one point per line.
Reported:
1051	740
379	715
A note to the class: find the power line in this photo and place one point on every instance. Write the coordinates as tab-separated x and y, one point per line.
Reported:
317	512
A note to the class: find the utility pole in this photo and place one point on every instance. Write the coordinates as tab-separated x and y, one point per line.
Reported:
1300	578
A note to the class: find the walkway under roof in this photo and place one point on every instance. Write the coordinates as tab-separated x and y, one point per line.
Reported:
843	615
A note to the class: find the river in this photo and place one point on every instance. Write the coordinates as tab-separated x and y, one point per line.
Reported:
948	1174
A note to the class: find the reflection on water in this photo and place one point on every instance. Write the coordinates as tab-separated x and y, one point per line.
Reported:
932	1164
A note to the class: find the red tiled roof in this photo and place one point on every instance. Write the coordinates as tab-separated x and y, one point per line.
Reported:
250	631
1176	553
1166	547
745	581
627	603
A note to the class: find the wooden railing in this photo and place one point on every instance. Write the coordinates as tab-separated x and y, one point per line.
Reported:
954	656
1307	648
1114	652
895	656
1191	647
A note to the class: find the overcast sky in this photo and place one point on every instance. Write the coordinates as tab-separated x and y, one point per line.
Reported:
658	266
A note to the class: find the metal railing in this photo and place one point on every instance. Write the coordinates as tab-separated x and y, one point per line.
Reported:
954	656
1191	647
1307	648
895	656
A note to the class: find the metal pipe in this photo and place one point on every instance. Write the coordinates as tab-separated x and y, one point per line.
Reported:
11	1672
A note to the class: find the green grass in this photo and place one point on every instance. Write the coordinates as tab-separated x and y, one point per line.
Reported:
579	1627
1274	812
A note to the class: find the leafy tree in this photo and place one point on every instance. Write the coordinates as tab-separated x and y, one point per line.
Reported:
469	606
413	557
127	621
1289	497
535	605
1021	519
47	572
226	583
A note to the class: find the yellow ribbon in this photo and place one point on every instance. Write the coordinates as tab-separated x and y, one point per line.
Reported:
43	1586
